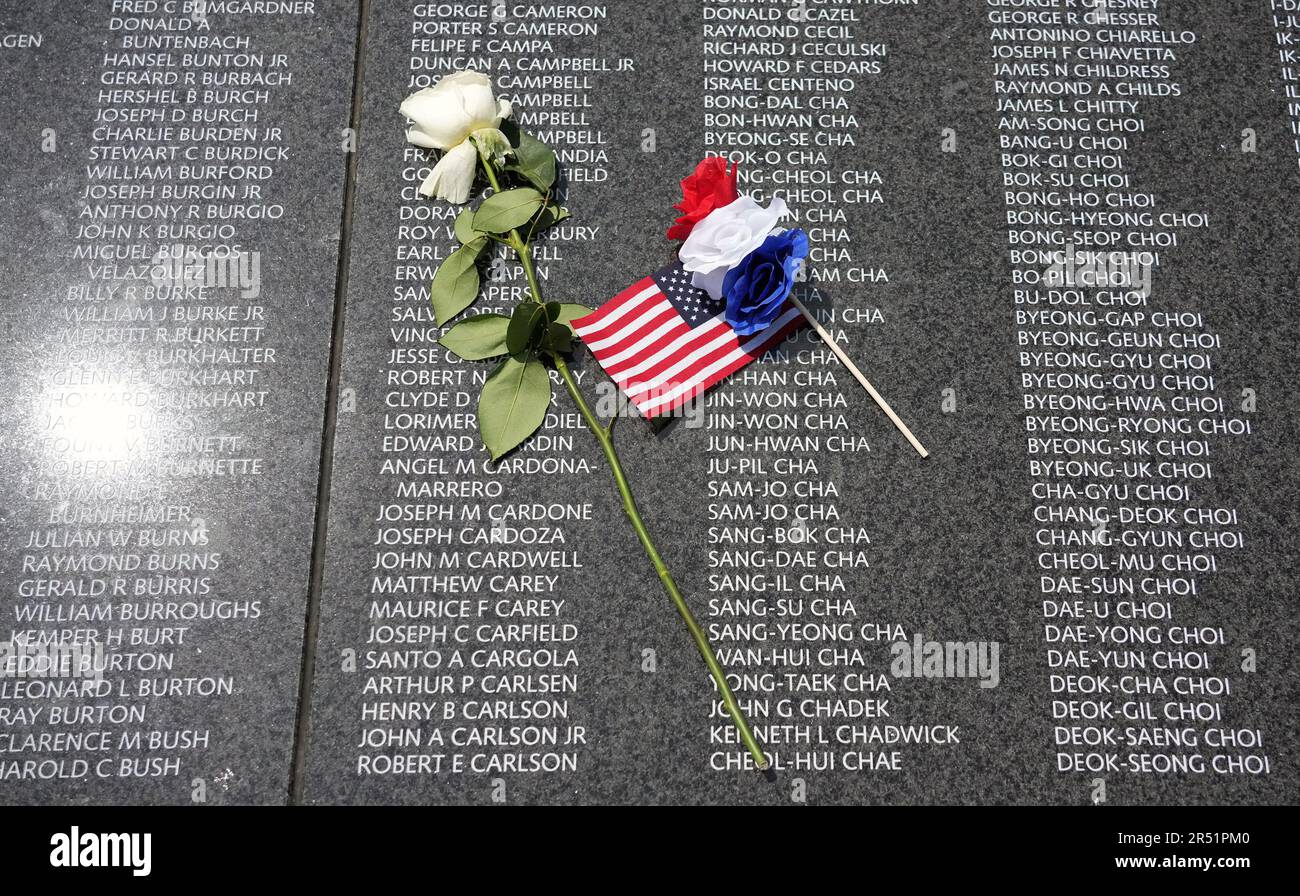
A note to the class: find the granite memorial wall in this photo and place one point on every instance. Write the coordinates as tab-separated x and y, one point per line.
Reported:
171	229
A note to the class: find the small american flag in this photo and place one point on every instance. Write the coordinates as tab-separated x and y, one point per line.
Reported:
665	342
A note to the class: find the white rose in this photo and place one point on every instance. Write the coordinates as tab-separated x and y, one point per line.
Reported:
445	116
723	239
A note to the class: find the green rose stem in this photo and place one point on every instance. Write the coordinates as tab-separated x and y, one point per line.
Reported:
604	435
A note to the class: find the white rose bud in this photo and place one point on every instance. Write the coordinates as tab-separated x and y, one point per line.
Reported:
723	240
445	116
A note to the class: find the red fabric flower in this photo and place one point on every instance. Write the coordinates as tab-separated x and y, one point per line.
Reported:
712	186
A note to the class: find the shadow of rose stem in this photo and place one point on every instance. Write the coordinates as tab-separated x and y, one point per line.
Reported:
604	435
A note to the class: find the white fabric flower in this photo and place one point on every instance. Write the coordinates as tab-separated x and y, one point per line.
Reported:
445	116
723	239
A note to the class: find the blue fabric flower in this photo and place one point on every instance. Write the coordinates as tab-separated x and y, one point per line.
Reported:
756	289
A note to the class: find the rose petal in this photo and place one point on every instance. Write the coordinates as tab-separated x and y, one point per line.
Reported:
445	114
757	288
727	235
480	105
453	177
710	282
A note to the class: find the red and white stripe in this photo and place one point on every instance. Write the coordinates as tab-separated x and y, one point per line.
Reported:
658	361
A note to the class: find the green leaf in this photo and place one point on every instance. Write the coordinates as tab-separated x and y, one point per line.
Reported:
549	217
513	404
478	338
559	338
534	161
503	212
570	311
528	318
465	231
455	286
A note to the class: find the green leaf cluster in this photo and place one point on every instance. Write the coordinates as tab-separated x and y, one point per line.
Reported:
521	206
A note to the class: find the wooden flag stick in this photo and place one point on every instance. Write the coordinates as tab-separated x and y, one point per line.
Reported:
861	378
